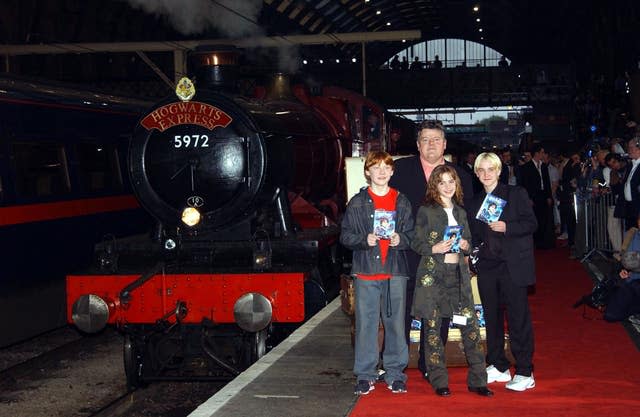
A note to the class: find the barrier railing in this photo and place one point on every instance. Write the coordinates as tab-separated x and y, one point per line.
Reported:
592	214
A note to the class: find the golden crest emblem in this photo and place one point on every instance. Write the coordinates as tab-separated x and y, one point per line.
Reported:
433	340
185	90
433	237
430	263
426	280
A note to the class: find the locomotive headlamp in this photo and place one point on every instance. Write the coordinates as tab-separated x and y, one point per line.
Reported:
191	216
90	313
252	312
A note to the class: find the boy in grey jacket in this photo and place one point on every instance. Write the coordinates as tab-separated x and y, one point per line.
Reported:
380	269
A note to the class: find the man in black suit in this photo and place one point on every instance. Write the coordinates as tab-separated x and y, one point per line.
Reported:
410	178
631	191
467	165
506	267
534	177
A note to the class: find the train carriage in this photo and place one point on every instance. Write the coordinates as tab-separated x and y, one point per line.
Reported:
62	188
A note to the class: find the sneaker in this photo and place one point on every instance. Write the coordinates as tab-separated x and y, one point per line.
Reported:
364	387
521	383
563	236
398	387
494	375
381	373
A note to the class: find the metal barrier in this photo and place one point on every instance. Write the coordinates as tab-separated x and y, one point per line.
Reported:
592	214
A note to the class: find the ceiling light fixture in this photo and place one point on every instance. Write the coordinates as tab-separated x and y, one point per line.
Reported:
476	8
388	23
378	12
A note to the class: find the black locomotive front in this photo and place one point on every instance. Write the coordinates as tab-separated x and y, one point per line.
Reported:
230	159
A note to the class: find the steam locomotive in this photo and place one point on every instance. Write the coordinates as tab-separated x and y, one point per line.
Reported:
61	190
246	192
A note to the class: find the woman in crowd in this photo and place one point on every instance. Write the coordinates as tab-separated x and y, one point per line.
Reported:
505	269
443	287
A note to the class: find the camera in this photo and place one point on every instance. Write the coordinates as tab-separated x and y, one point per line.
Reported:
597	298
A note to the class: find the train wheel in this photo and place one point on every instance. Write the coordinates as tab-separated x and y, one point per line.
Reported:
132	363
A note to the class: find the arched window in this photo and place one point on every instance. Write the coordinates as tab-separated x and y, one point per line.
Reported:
451	53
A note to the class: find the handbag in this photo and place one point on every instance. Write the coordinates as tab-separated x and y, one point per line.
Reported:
474	259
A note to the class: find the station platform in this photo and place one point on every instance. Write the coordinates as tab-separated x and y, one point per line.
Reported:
308	374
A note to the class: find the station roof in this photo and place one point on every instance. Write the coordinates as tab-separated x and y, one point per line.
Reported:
591	34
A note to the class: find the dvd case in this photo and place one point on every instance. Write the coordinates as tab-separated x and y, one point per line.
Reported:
384	223
491	208
456	233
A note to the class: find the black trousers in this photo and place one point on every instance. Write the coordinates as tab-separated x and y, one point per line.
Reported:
498	292
568	216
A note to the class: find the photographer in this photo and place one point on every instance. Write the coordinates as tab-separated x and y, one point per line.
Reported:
623	299
619	170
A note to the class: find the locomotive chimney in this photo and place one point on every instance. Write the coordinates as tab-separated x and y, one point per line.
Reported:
215	67
279	88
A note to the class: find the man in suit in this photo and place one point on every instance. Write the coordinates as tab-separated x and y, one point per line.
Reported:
535	179
631	191
508	174
467	165
506	267
410	178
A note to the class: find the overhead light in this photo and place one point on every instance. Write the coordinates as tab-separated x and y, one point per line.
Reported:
480	30
404	40
388	23
378	12
321	61
305	62
478	20
476	8
354	60
337	60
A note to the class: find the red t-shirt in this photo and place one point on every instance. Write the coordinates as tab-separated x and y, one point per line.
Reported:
382	202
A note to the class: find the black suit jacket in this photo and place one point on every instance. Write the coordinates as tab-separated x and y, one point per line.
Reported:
408	178
515	246
530	180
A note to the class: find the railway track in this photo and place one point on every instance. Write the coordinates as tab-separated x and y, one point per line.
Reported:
65	374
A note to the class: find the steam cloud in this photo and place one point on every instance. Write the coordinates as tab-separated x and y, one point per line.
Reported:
191	17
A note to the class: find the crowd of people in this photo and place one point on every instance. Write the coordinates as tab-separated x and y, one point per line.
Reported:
413	273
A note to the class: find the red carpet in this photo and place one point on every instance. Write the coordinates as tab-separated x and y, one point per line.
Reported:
582	367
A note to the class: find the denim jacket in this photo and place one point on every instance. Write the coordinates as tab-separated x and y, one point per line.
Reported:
357	223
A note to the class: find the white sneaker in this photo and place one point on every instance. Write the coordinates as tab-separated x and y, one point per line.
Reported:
494	375
521	383
563	236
